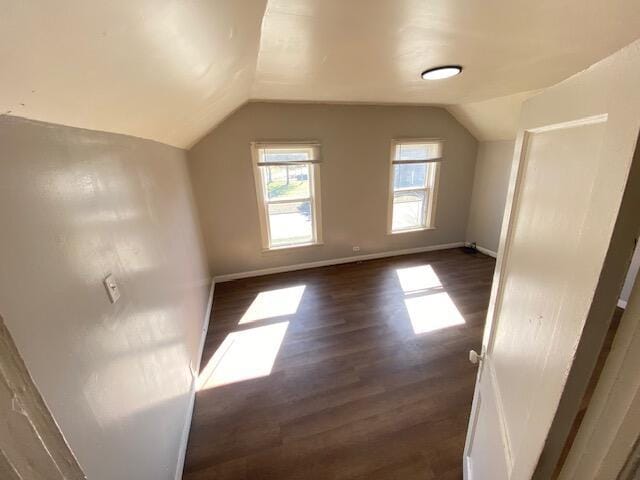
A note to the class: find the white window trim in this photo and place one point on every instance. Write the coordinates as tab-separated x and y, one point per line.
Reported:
263	202
430	206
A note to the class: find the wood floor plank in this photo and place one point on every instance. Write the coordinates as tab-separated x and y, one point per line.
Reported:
353	392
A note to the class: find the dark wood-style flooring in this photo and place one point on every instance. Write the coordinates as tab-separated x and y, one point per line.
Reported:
354	392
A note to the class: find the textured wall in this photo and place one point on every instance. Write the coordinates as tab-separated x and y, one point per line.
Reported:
355	175
76	205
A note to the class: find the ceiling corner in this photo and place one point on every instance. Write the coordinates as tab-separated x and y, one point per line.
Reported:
493	119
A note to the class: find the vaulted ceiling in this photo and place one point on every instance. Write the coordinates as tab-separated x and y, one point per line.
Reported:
170	70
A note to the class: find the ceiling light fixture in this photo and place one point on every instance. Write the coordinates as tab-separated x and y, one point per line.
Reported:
438	73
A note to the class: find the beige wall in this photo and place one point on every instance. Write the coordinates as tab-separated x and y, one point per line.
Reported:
355	175
76	205
490	185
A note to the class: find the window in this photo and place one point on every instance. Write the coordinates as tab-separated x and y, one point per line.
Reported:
288	185
415	166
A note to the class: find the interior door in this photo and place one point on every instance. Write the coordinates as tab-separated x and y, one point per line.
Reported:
572	162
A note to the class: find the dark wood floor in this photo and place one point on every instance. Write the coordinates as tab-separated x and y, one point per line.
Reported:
354	392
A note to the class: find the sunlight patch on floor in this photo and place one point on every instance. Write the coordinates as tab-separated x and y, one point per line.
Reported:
244	355
432	312
415	279
274	303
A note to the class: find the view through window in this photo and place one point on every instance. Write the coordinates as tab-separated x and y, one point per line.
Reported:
414	176
287	179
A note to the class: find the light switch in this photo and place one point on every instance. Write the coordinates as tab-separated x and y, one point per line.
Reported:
112	288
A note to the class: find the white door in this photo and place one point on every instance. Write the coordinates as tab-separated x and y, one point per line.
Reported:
571	162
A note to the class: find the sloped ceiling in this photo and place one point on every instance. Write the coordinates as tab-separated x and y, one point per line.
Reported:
170	70
166	70
493	119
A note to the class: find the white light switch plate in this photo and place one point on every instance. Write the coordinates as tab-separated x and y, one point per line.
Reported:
112	288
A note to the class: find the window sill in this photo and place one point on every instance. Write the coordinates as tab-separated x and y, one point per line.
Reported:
286	248
413	230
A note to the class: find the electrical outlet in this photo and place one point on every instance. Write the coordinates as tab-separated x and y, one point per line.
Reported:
112	288
356	248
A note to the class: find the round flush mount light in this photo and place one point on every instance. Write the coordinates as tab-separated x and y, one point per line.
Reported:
438	73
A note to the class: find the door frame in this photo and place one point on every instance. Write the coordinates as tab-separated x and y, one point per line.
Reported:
44	444
608	433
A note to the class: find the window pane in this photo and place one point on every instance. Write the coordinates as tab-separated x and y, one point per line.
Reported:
286	155
418	151
410	175
285	182
408	210
290	223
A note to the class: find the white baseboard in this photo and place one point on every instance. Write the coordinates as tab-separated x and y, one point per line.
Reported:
192	393
622	303
334	261
486	251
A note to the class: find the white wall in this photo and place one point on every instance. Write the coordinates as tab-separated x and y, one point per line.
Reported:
490	184
76	205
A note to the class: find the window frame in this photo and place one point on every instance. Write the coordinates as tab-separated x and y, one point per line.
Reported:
263	197
429	209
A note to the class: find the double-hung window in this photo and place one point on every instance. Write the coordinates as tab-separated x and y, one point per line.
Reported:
413	185
287	179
